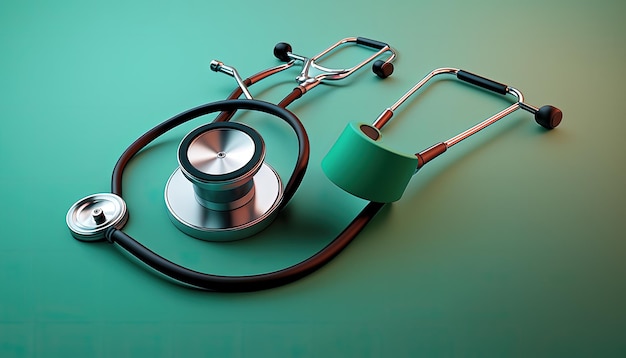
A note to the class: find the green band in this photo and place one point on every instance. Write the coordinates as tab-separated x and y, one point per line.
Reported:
367	168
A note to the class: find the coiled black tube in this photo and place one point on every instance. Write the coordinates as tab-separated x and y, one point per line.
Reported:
235	283
245	283
222	106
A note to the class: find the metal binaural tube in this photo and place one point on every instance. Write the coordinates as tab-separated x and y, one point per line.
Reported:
308	80
493	119
388	113
428	77
218	66
482	125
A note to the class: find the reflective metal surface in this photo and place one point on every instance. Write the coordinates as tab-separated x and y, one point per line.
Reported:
386	115
220	161
493	119
338	74
218	66
482	125
221	151
89	217
209	224
307	79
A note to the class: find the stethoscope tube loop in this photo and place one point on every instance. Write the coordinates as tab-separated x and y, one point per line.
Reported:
244	283
108	226
197	279
223	106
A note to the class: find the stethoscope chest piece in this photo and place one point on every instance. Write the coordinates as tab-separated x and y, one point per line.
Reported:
91	216
222	190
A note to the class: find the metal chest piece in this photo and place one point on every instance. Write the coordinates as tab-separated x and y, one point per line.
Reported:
222	190
91	216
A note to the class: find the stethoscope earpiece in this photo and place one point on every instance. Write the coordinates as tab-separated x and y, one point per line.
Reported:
282	51
382	69
548	116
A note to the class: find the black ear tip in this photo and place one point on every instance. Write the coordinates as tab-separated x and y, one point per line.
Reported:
281	51
549	116
382	69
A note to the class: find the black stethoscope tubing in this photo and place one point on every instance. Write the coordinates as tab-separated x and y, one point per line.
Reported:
235	283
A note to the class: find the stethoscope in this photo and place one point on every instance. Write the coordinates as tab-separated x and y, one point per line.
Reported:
223	189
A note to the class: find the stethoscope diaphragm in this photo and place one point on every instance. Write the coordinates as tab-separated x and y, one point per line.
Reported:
91	216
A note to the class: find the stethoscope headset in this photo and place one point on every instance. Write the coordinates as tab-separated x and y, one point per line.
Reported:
223	190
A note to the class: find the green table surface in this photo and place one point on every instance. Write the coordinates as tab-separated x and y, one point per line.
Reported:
510	244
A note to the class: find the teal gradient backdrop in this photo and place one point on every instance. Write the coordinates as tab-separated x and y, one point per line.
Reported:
510	244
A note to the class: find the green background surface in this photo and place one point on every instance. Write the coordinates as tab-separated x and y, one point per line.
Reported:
510	244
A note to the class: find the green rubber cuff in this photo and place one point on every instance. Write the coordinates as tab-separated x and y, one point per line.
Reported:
365	167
